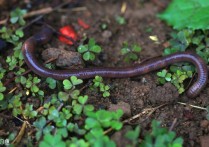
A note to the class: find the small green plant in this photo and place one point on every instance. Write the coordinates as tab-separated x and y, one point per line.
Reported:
11	36
176	77
69	87
130	52
182	41
70	84
29	112
98	83
161	137
15	104
133	136
52	141
79	105
98	120
89	50
164	76
16	16
120	20
103	118
31	84
158	137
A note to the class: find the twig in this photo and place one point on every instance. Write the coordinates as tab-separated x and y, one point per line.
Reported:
190	82
197	107
20	134
173	124
73	9
13	90
41	12
152	110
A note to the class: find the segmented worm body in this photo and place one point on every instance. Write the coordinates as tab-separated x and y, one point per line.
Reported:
45	35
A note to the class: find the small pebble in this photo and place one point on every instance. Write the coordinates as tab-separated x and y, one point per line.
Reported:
68	59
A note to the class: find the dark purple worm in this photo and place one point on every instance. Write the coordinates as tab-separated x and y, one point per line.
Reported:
45	35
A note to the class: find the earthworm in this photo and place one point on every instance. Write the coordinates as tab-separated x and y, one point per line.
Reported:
42	37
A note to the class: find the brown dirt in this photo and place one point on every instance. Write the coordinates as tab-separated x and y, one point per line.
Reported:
143	91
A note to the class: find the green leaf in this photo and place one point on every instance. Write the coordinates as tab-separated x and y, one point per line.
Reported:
1	96
88	108
52	141
91	42
36	80
40	123
132	56
125	50
19	32
63	96
75	80
23	80
14	19
67	84
162	73
87	56
77	108
96	49
116	125
74	94
193	14
136	48
82	99
133	135
34	88
168	77
106	94
82	48
91	123
53	114
2	89
92	56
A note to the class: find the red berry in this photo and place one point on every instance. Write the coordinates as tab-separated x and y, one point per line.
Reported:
68	31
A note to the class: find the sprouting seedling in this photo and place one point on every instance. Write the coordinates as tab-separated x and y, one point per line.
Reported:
164	76
29	112
130	53
31	84
69	87
70	84
89	50
17	16
98	83
177	77
105	119
10	35
80	105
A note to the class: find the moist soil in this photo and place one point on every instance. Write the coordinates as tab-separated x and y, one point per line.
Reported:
133	95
